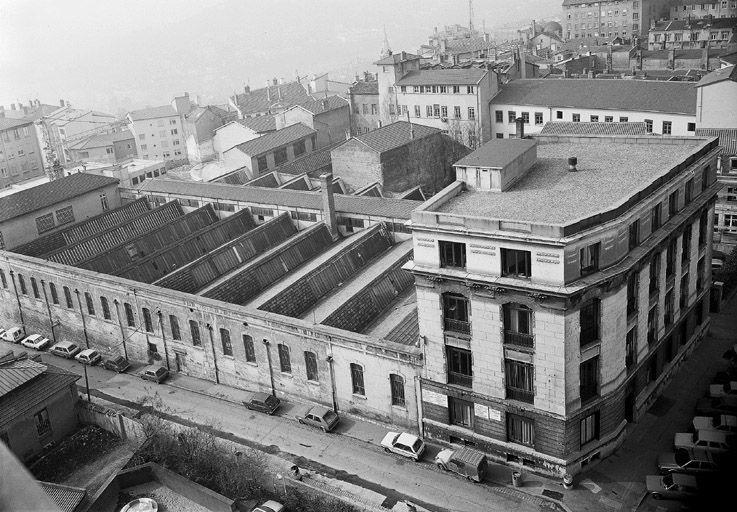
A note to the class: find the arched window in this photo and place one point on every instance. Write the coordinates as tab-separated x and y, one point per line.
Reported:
285	363
147	323
225	341
105	308
357	379
396	383
90	304
22	283
311	366
517	324
249	348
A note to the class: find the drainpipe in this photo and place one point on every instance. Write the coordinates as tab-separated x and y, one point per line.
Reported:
87	342
329	359
48	308
214	356
120	324
271	371
163	338
17	298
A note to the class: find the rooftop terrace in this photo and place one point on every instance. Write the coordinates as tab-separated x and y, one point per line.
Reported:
612	171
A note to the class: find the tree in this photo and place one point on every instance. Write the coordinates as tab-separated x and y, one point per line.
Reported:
56	171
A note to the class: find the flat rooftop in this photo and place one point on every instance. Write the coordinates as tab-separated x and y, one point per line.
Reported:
610	172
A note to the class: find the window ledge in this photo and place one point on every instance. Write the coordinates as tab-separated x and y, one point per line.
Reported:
198	347
250	363
229	357
362	397
313	383
400	407
285	374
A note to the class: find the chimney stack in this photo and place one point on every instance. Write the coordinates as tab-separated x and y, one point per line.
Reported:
328	204
522	64
572	161
520	127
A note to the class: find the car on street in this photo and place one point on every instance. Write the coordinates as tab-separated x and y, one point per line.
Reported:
262	402
65	349
703	441
117	364
710	406
464	461
405	444
318	416
13	335
672	486
155	373
36	342
681	461
270	506
727	388
722	423
89	356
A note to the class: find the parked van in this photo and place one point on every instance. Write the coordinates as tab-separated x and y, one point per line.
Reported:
13	335
464	461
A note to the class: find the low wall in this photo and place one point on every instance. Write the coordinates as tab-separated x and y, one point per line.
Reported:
114	422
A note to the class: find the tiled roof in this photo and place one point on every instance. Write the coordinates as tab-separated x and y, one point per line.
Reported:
566	128
99	140
497	153
729	58
727	138
636	95
17	373
273	140
719	75
42	196
394	135
396	58
468	44
153	113
311	162
406	332
368	88
375	206
260	124
34	392
320	105
66	497
261	100
443	77
6	123
695	24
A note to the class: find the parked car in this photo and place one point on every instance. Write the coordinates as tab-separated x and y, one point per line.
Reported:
728	375
681	461
727	388
704	441
318	416
464	461
710	406
270	506
89	356
672	486
155	373
13	335
117	364
263	402
65	349
403	443
35	341
722	423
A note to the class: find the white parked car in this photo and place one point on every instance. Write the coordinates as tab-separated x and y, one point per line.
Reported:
723	422
36	341
270	506
89	356
65	349
728	388
704	441
13	335
402	443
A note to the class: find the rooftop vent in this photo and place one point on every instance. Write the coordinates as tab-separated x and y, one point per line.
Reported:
572	161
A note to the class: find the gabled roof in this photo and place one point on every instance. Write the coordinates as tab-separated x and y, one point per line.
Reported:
730	57
260	124
100	140
637	95
48	194
394	135
318	106
261	100
567	128
396	58
273	140
153	113
26	397
727	138
6	123
467	44
312	162
66	497
16	373
719	75
443	77
370	87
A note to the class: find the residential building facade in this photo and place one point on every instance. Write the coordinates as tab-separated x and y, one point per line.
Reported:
625	18
159	133
330	117
21	157
556	301
364	95
685	33
695	9
668	108
104	148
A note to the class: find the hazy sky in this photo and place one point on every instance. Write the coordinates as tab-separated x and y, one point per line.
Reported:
134	53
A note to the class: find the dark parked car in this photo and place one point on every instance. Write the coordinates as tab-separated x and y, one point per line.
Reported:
117	364
263	402
155	373
672	486
317	416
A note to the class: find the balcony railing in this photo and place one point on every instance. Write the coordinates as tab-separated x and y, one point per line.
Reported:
460	326
520	394
460	379
518	338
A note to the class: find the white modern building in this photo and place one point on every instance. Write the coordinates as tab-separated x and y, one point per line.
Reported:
158	132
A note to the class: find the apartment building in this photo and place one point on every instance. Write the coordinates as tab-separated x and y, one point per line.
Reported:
618	18
364	95
21	157
702	33
694	9
667	108
453	100
158	132
557	292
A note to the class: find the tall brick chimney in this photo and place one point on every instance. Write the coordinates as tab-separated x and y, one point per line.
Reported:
328	204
